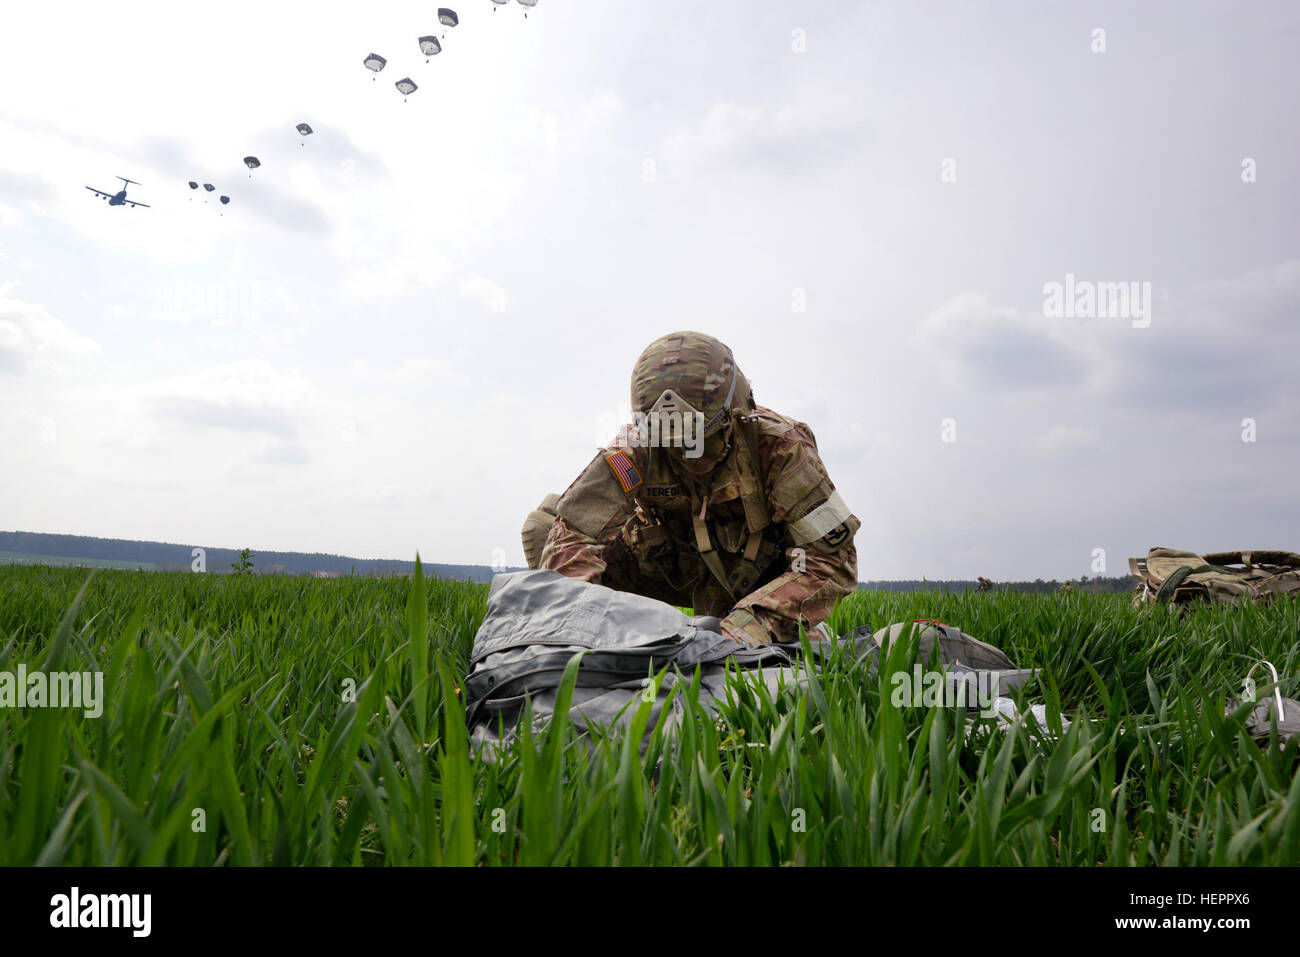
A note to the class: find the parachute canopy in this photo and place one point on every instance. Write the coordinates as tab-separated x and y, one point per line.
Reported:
193	185
225	200
304	129
528	3
406	86
252	162
375	63
209	187
430	46
447	17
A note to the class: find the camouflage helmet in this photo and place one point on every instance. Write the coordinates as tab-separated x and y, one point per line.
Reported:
693	369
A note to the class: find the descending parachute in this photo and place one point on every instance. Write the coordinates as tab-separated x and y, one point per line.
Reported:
252	162
406	86
209	187
225	200
447	17
430	46
304	129
375	63
193	185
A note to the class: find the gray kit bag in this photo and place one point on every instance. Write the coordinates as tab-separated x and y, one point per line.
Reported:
538	620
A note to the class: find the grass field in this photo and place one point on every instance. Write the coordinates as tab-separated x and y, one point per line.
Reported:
230	736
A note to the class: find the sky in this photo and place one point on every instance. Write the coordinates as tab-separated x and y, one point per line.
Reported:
409	327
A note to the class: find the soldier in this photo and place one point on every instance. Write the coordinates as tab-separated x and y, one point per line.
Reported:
707	500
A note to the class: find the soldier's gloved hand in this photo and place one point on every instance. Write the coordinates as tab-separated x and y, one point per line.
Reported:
743	627
707	623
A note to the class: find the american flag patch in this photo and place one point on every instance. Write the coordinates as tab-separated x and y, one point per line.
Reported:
626	473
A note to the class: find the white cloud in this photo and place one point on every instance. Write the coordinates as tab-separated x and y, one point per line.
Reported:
1066	436
287	452
1221	343
485	293
426	368
31	338
1000	348
820	126
249	395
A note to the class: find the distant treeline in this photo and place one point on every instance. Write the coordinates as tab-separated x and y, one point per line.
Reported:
1098	585
163	556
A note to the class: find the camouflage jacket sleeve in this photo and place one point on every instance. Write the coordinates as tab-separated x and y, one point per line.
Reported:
817	534
589	516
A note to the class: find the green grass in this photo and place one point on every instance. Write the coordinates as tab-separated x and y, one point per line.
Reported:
302	721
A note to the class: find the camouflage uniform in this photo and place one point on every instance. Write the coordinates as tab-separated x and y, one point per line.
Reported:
766	520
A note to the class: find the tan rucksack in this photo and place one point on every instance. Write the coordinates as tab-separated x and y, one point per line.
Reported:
1170	576
536	527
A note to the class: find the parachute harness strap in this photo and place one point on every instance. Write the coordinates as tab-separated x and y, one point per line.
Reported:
750	568
726	403
705	547
752	497
702	541
1277	691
